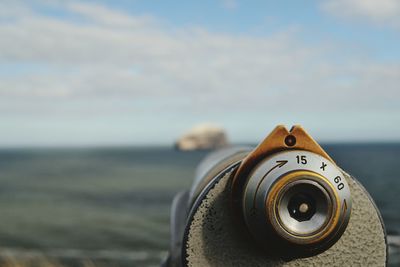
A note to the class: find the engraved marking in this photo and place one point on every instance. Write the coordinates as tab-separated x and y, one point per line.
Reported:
279	164
323	166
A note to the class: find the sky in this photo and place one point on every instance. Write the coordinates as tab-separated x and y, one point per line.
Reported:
99	73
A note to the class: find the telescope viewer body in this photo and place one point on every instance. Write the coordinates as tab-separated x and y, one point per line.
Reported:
283	203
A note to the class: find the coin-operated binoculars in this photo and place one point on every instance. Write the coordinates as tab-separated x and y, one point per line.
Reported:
284	203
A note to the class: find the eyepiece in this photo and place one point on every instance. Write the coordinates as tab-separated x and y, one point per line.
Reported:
303	208
291	199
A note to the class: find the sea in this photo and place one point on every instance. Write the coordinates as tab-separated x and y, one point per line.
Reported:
110	206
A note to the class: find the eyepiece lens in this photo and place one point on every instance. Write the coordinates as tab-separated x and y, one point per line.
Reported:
302	207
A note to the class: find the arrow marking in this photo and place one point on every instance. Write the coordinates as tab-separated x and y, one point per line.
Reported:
279	164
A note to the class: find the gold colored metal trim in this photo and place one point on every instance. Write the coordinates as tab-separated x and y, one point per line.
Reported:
279	139
273	198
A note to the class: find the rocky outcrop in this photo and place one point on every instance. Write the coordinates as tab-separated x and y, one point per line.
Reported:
203	136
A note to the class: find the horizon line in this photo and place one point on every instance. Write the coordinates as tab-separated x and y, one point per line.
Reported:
163	145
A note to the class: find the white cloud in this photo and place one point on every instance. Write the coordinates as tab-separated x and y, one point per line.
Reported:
112	53
100	56
382	12
107	17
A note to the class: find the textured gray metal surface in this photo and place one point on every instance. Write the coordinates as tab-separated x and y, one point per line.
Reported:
213	238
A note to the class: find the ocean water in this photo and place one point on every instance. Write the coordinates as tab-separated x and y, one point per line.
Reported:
111	205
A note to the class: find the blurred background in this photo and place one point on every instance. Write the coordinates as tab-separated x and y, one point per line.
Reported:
95	94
